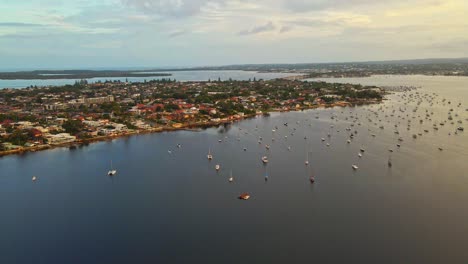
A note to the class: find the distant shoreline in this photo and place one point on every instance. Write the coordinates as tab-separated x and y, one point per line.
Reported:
78	74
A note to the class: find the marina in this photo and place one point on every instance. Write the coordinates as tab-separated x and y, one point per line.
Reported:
164	179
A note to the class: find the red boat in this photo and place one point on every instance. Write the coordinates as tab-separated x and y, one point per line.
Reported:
244	196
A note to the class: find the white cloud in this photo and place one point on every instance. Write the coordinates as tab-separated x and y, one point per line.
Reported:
268	27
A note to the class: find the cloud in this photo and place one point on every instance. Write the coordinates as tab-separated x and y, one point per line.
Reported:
285	29
19	25
171	8
177	33
259	29
318	5
338	30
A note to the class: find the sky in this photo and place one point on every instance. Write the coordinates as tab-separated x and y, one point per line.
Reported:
178	33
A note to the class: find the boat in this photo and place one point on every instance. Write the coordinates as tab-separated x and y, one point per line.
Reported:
265	159
360	155
34	178
355	167
209	156
217	167
231	179
389	162
348	141
362	150
312	179
112	172
244	196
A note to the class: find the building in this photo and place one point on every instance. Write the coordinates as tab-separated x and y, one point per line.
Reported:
58	139
55	107
99	100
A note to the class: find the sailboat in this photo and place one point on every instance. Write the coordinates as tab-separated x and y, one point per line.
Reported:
112	172
209	156
231	179
312	179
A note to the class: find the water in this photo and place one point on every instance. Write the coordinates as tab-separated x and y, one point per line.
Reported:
450	87
175	208
178	75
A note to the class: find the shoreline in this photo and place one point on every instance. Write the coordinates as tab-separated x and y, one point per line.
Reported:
185	127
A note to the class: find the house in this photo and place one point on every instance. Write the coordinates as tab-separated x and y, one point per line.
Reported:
58	139
9	146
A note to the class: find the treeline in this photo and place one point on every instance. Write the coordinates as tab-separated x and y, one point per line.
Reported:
75	74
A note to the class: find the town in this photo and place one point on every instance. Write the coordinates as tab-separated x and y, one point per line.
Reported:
37	118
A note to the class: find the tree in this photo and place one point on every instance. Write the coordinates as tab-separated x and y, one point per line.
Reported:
73	126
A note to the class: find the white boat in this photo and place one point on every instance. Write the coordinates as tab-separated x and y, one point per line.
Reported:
217	167
360	155
112	172
349	141
265	159
355	167
209	156
231	179
34	178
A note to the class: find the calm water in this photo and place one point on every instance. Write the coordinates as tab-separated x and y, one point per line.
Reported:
179	75
175	208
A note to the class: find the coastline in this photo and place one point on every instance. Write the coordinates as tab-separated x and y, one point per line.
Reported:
186	126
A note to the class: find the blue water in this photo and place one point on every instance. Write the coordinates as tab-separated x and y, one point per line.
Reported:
175	208
178	75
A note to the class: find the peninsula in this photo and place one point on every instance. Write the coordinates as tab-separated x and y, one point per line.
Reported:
39	118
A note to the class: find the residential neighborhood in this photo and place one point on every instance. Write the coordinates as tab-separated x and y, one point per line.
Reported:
42	117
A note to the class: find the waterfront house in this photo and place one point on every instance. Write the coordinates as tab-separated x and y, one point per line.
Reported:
61	138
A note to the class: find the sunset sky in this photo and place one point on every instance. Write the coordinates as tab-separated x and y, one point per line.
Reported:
159	33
